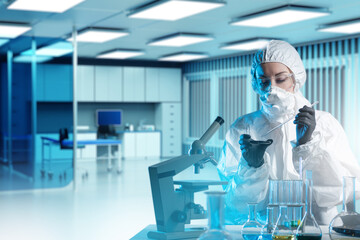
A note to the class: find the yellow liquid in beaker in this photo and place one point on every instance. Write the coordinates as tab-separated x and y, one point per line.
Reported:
284	237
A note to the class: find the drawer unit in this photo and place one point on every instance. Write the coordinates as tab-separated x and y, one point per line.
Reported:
168	117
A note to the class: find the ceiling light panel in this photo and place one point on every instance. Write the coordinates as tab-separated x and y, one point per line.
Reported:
99	35
173	10
246	45
347	27
12	30
58	6
120	54
183	57
180	40
280	16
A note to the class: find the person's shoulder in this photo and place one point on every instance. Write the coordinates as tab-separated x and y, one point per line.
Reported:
245	120
326	120
324	116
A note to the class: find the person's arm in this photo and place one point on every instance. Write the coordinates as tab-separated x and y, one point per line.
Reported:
329	156
245	184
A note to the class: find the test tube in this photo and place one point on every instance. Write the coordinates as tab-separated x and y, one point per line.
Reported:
273	192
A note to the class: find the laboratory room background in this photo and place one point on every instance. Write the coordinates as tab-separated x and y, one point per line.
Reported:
179	119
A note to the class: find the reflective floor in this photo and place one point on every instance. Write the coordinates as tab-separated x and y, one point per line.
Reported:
106	205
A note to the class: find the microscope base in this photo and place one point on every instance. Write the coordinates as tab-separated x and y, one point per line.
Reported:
188	233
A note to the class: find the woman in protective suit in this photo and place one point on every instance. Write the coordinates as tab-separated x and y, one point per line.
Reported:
316	136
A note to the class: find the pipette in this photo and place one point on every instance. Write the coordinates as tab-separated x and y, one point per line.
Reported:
316	102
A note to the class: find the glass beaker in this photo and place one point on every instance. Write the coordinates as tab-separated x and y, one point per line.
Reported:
215	207
308	228
251	230
346	225
282	230
268	228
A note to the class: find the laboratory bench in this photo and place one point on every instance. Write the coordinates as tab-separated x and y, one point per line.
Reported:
232	229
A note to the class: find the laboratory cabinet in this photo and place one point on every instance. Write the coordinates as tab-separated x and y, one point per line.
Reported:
141	144
86	83
163	85
134	84
54	82
108	84
168	120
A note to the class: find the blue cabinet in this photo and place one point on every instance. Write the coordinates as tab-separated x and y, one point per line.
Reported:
54	82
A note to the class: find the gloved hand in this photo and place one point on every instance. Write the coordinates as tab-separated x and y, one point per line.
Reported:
305	124
253	151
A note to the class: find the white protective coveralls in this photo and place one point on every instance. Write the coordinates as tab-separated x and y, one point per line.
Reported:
327	154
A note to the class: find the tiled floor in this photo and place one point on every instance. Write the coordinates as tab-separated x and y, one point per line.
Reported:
105	206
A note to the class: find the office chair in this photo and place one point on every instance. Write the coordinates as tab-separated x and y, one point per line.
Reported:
63	135
106	131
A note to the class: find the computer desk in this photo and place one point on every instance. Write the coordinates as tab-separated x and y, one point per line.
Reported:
46	141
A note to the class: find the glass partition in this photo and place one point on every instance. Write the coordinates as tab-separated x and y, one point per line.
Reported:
36	116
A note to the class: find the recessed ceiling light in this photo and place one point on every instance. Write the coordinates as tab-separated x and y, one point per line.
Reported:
246	45
347	27
182	57
12	30
174	9
180	39
55	50
120	54
99	35
280	16
29	58
3	41
44	5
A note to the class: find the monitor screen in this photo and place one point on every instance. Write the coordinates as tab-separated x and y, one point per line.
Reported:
108	117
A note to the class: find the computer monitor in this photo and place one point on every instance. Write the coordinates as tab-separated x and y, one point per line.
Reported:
108	117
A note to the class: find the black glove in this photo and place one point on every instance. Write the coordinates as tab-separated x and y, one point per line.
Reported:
305	124
253	151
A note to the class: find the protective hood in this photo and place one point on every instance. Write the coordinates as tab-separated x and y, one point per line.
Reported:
281	52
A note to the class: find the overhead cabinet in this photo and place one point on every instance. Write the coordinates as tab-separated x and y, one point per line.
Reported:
134	84
163	85
54	82
86	83
108	84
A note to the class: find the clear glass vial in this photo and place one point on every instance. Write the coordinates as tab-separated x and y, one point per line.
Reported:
215	207
308	228
268	228
282	230
251	230
346	225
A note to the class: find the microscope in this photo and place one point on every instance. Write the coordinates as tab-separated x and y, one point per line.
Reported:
175	207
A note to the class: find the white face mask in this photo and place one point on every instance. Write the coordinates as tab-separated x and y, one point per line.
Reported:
278	103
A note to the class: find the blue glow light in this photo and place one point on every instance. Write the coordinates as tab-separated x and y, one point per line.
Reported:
28	58
3	41
55	50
